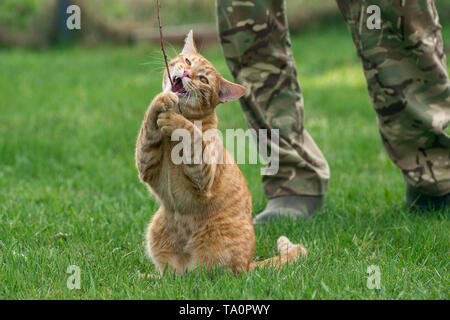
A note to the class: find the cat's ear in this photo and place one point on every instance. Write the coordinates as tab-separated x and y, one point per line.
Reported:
189	44
230	91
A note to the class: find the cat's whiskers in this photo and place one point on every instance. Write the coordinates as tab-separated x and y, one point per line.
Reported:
174	51
190	87
198	97
186	101
156	58
157	68
202	94
156	61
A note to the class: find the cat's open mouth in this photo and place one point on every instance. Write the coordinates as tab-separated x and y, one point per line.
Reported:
177	86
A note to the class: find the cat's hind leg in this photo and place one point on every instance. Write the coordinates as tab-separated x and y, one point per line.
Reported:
165	247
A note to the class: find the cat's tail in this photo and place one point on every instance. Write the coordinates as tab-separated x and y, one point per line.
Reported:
288	252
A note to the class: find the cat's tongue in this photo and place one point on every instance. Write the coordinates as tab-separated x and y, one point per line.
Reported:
177	86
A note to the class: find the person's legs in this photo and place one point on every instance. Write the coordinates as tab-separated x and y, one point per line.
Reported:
256	44
406	75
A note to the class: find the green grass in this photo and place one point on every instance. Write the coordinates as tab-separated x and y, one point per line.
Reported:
68	123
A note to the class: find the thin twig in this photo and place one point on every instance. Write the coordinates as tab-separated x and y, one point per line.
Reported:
162	42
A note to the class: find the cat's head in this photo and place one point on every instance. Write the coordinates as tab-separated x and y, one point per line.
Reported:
199	86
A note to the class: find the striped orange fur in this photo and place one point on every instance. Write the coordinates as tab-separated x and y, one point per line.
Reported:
205	217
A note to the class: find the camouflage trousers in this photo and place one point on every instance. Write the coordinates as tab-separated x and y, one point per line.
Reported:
406	75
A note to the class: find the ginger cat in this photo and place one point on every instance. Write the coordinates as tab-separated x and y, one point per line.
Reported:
205	217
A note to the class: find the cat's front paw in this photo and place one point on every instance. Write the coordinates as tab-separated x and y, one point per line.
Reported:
163	102
167	101
169	121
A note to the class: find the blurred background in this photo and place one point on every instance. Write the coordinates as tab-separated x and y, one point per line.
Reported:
36	23
71	105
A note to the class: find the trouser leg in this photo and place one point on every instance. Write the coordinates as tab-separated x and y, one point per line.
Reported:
405	69
256	44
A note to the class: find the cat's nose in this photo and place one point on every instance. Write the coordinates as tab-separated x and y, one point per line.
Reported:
186	73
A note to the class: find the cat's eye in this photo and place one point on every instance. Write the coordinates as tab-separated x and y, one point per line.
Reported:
188	62
204	80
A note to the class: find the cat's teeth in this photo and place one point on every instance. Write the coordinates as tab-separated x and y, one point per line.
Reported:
178	86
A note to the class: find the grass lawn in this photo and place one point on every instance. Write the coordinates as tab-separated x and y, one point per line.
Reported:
70	194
